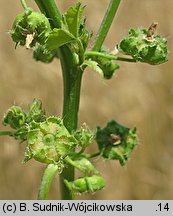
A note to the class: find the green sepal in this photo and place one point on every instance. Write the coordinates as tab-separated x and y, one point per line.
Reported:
149	50
84	136
58	38
36	112
107	66
15	117
29	23
94	66
42	54
116	142
21	134
84	34
20	120
86	184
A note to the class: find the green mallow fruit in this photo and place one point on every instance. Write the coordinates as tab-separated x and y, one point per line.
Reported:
145	46
49	141
30	28
86	184
116	142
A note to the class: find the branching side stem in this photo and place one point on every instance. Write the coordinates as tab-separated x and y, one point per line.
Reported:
6	133
24	5
89	54
106	24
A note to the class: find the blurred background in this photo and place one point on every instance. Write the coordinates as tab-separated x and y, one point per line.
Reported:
138	95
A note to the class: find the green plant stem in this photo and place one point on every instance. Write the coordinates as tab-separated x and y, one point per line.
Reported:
24	5
46	182
72	80
105	25
92	155
89	54
72	75
49	8
71	162
6	133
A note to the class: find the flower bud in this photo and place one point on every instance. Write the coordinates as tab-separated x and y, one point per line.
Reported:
49	141
15	117
86	184
36	112
107	66
42	54
84	136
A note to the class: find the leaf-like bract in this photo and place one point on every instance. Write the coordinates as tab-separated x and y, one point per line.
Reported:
73	18
58	38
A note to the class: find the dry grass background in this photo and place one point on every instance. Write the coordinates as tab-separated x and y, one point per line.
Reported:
138	95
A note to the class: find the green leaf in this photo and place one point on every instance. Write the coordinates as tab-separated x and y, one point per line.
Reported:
94	66
57	38
72	19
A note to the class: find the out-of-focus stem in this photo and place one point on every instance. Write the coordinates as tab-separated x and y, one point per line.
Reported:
6	133
106	24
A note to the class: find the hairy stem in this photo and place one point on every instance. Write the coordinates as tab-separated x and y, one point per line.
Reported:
24	5
72	76
71	162
105	25
72	81
46	182
89	54
6	133
92	155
